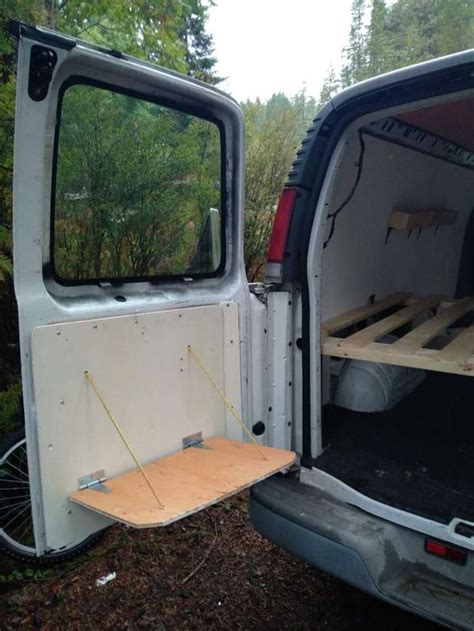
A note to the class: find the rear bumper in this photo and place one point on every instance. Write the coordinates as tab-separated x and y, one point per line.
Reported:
381	558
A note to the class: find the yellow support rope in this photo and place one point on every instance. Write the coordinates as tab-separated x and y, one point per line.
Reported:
90	379
227	403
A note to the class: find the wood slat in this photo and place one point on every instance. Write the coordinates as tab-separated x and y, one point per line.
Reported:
460	350
391	323
349	318
421	335
425	359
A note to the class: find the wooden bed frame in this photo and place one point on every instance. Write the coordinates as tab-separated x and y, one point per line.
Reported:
456	357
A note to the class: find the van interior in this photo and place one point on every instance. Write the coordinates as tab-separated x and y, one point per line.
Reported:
397	324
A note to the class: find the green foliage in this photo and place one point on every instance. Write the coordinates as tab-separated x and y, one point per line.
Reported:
6	263
10	409
169	33
389	35
135	183
273	132
355	52
24	575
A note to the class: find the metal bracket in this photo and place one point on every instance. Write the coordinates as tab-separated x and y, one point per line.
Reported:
94	481
194	440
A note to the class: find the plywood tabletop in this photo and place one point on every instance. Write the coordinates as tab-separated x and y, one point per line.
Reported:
185	482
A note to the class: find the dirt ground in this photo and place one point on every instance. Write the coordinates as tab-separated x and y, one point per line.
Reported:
161	582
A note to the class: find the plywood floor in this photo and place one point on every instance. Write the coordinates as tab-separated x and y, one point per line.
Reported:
185	482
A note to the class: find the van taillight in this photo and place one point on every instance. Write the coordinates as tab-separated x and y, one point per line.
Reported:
450	553
281	225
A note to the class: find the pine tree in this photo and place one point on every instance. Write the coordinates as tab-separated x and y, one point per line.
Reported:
379	41
355	53
199	44
402	33
331	86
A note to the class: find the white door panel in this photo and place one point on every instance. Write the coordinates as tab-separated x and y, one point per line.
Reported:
51	311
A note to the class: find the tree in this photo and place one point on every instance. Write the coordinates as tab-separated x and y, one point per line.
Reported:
134	186
331	86
198	43
402	33
355	53
273	132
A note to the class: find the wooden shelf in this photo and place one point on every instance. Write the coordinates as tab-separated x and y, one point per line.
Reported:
185	482
400	219
456	357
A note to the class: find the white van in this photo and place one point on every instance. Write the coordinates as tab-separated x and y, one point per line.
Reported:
143	347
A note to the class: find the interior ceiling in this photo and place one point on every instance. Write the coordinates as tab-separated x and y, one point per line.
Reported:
453	121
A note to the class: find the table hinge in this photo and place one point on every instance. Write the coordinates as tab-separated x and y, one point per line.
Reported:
194	440
94	481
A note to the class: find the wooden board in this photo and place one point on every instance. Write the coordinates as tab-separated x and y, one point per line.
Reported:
411	219
392	322
457	357
349	318
421	218
185	482
424	333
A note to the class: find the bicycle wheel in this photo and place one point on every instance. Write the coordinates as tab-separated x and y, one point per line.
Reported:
16	522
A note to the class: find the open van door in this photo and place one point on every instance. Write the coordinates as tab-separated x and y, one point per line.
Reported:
133	301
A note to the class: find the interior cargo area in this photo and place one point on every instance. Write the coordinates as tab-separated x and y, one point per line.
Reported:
397	325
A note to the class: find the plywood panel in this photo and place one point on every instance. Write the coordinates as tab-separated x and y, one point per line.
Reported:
157	393
185	482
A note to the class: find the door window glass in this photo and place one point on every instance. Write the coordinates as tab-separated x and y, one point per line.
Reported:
137	189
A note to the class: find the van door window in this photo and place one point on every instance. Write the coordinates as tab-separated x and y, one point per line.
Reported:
137	191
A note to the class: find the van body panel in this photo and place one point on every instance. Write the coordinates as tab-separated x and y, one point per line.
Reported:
383	559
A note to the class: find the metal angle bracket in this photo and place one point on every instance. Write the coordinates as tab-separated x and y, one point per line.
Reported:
94	481
194	440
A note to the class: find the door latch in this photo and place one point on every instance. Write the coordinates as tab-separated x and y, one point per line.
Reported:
42	63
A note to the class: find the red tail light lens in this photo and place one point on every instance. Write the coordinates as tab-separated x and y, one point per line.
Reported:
281	225
440	549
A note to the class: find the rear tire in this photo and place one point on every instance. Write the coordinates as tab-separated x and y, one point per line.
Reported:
16	523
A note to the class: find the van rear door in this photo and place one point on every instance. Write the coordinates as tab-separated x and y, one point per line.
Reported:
132	296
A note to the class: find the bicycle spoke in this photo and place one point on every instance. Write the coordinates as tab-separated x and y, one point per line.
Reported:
13	507
14	477
25	521
22	473
16	497
28	531
16	521
7	489
9	505
16	516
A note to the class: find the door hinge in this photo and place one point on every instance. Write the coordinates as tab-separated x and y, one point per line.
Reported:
94	481
194	440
